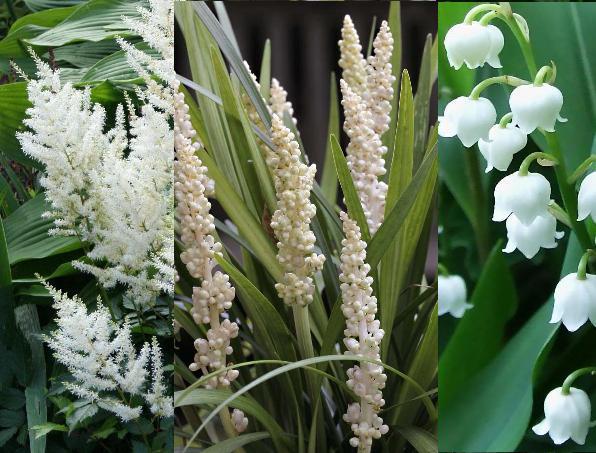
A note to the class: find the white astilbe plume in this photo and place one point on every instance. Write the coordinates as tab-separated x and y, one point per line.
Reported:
159	402
365	156
278	100
156	28
351	61
101	358
120	204
293	182
379	80
363	336
215	295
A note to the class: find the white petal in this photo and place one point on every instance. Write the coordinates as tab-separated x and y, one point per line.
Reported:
541	428
586	200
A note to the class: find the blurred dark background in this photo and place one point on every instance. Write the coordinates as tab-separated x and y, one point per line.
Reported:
304	50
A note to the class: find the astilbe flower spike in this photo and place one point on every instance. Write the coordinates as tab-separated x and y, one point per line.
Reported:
293	181
363	336
101	358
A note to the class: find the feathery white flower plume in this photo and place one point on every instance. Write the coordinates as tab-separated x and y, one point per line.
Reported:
363	337
293	182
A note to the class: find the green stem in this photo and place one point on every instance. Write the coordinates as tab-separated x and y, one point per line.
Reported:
567	191
479	223
488	17
525	165
442	269
583	264
541	75
480	9
524	44
505	80
573	376
505	120
583	167
559	213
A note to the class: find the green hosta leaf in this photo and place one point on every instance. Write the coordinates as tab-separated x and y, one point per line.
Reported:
6	435
13	104
470	348
83	55
34	242
232	444
38	5
12	399
94	21
347	184
11	419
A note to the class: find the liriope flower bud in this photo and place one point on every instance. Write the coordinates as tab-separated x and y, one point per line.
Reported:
278	101
239	421
351	61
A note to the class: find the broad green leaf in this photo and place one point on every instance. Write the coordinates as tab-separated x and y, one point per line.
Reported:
34	242
94	20
83	55
13	104
38	5
9	419
6	435
470	348
7	322
232	444
496	420
349	190
329	178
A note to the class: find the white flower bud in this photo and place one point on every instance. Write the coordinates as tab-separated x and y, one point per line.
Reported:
452	296
528	239
586	201
526	196
502	144
469	119
474	44
536	106
575	301
566	416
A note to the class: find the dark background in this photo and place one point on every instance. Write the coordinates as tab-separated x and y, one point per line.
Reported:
304	50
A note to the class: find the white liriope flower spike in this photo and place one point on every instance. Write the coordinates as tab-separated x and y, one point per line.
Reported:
586	200
575	301
536	106
363	336
453	296
566	416
293	182
379	80
528	239
502	144
278	101
526	196
351	60
365	157
101	358
469	119
474	44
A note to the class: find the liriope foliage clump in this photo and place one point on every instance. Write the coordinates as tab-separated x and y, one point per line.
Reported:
303	320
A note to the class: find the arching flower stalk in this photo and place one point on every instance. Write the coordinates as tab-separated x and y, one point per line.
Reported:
101	358
214	297
363	336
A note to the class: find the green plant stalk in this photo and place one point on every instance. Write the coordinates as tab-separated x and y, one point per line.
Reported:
525	165
525	46
583	167
302	323
480	223
573	376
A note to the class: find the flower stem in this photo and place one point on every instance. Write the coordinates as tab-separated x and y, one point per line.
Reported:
573	376
583	264
525	165
583	167
505	120
559	213
541	75
524	44
488	17
479	223
505	80
480	9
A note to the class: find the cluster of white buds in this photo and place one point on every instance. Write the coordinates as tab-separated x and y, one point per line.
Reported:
367	90
239	421
103	362
363	336
278	100
453	295
215	295
293	182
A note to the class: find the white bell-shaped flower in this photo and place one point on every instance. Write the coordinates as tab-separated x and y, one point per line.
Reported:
502	144
452	295
575	301
469	119
528	239
566	416
586	200
536	106
474	44
526	196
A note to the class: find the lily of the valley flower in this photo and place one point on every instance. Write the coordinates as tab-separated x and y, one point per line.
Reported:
528	239
536	106
469	119
575	301
566	416
452	296
502	144
474	44
526	196
586	201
